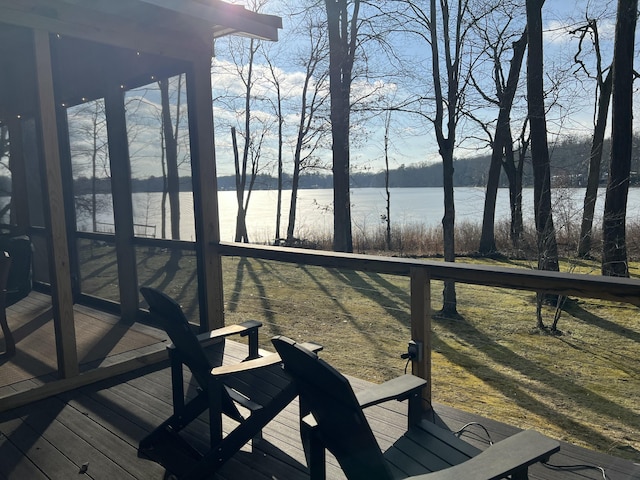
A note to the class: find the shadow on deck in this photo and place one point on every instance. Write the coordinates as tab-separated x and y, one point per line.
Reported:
96	430
101	340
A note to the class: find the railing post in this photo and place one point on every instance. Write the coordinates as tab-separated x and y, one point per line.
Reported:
421	328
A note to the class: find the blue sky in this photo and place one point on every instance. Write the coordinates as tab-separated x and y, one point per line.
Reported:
413	138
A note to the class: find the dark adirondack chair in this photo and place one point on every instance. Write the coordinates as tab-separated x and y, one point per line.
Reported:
258	384
19	281
338	424
9	342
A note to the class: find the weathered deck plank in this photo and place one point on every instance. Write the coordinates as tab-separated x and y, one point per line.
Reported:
101	425
101	339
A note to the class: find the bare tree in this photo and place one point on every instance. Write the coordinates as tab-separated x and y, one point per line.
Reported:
502	143
241	167
5	164
545	231
254	124
603	97
614	250
311	124
447	29
88	135
514	170
387	142
342	27
275	80
170	154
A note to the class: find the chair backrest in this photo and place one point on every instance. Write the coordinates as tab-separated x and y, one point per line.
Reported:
343	427
5	266
19	282
170	316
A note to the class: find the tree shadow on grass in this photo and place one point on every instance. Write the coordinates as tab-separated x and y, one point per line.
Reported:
166	272
234	298
394	308
245	266
575	310
584	398
350	279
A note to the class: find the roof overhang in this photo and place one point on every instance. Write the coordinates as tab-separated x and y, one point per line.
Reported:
180	28
225	18
124	41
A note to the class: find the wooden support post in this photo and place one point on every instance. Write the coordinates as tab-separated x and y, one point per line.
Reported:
66	171
59	273
122	200
421	328
205	193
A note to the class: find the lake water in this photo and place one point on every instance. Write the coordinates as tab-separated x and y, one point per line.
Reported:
408	206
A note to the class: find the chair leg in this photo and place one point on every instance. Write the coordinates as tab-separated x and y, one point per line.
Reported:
225	449
10	344
521	474
175	423
314	452
414	409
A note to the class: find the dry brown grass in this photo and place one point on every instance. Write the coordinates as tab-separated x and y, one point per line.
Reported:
416	240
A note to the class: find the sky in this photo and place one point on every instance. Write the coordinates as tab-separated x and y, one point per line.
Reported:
413	139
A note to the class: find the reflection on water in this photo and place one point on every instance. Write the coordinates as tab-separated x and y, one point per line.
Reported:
408	206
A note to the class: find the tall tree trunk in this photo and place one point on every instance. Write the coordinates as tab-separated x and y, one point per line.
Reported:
163	199
501	145
614	253
241	225
94	173
295	180
514	171
342	42
449	301
545	231
171	148
280	169
446	143
303	128
387	126
488	237
595	160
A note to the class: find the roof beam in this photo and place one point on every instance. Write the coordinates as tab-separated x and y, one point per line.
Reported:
225	17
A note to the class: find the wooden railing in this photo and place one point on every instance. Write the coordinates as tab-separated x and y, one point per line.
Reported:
421	272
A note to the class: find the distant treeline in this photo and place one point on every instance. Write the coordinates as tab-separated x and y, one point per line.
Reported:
569	168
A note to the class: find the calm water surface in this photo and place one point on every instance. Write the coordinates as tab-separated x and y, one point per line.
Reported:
409	206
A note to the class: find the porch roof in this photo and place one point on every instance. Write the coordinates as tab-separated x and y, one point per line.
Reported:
130	42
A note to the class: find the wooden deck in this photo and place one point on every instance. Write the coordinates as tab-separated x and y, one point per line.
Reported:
96	430
101	339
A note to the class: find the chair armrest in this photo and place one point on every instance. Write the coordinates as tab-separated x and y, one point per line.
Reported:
511	455
312	346
399	388
248	328
242	329
261	362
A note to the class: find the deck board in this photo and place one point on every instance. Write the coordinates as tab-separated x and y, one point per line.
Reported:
100	425
101	340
